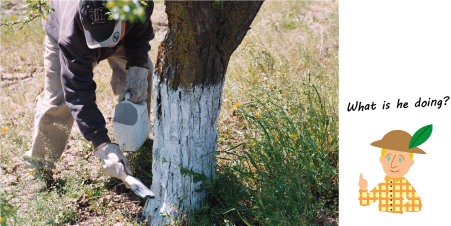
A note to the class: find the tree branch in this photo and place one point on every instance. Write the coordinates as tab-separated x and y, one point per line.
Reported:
237	21
22	22
36	10
209	35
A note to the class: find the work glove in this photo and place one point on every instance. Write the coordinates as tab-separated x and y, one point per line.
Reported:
114	163
136	84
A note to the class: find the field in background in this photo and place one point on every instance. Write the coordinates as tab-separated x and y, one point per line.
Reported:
278	130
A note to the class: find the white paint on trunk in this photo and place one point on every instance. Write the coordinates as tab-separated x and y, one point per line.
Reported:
185	132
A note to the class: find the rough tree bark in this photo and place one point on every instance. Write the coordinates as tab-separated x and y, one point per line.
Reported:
188	84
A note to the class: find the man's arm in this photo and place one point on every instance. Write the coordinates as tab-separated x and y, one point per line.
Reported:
136	47
366	199
136	40
79	92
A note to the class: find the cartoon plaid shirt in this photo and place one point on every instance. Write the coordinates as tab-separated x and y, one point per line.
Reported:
391	193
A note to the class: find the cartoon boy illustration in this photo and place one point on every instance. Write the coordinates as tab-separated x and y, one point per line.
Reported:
396	159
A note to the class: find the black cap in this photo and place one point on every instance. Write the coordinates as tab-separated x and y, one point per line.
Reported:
99	31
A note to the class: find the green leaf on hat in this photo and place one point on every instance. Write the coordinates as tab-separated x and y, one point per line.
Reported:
420	136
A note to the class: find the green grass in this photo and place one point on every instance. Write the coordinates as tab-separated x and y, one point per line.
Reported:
286	172
7	209
280	120
277	133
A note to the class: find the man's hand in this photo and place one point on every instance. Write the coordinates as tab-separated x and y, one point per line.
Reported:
362	182
114	162
136	84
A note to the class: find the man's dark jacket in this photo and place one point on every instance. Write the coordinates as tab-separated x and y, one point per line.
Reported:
77	61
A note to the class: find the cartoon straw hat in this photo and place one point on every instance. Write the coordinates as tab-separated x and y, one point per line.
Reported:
399	140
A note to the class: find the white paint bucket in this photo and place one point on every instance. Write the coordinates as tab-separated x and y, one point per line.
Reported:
131	124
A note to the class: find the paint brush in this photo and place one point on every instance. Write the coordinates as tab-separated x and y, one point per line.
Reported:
139	188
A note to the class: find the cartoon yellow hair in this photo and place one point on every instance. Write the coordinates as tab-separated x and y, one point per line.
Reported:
384	150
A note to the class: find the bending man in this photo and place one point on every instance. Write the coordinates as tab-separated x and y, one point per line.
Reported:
79	36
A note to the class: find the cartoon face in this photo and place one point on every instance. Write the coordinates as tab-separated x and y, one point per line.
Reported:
396	163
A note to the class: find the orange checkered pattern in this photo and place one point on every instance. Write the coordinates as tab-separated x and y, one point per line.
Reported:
391	193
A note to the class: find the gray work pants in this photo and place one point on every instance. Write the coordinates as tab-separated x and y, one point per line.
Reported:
53	120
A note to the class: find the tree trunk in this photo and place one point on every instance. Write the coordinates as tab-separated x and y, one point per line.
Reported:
188	83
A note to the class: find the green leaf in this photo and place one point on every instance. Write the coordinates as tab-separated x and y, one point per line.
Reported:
420	136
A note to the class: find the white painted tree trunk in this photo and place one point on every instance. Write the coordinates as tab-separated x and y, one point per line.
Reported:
185	132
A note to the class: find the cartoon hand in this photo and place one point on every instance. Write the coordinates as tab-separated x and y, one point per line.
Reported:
362	182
